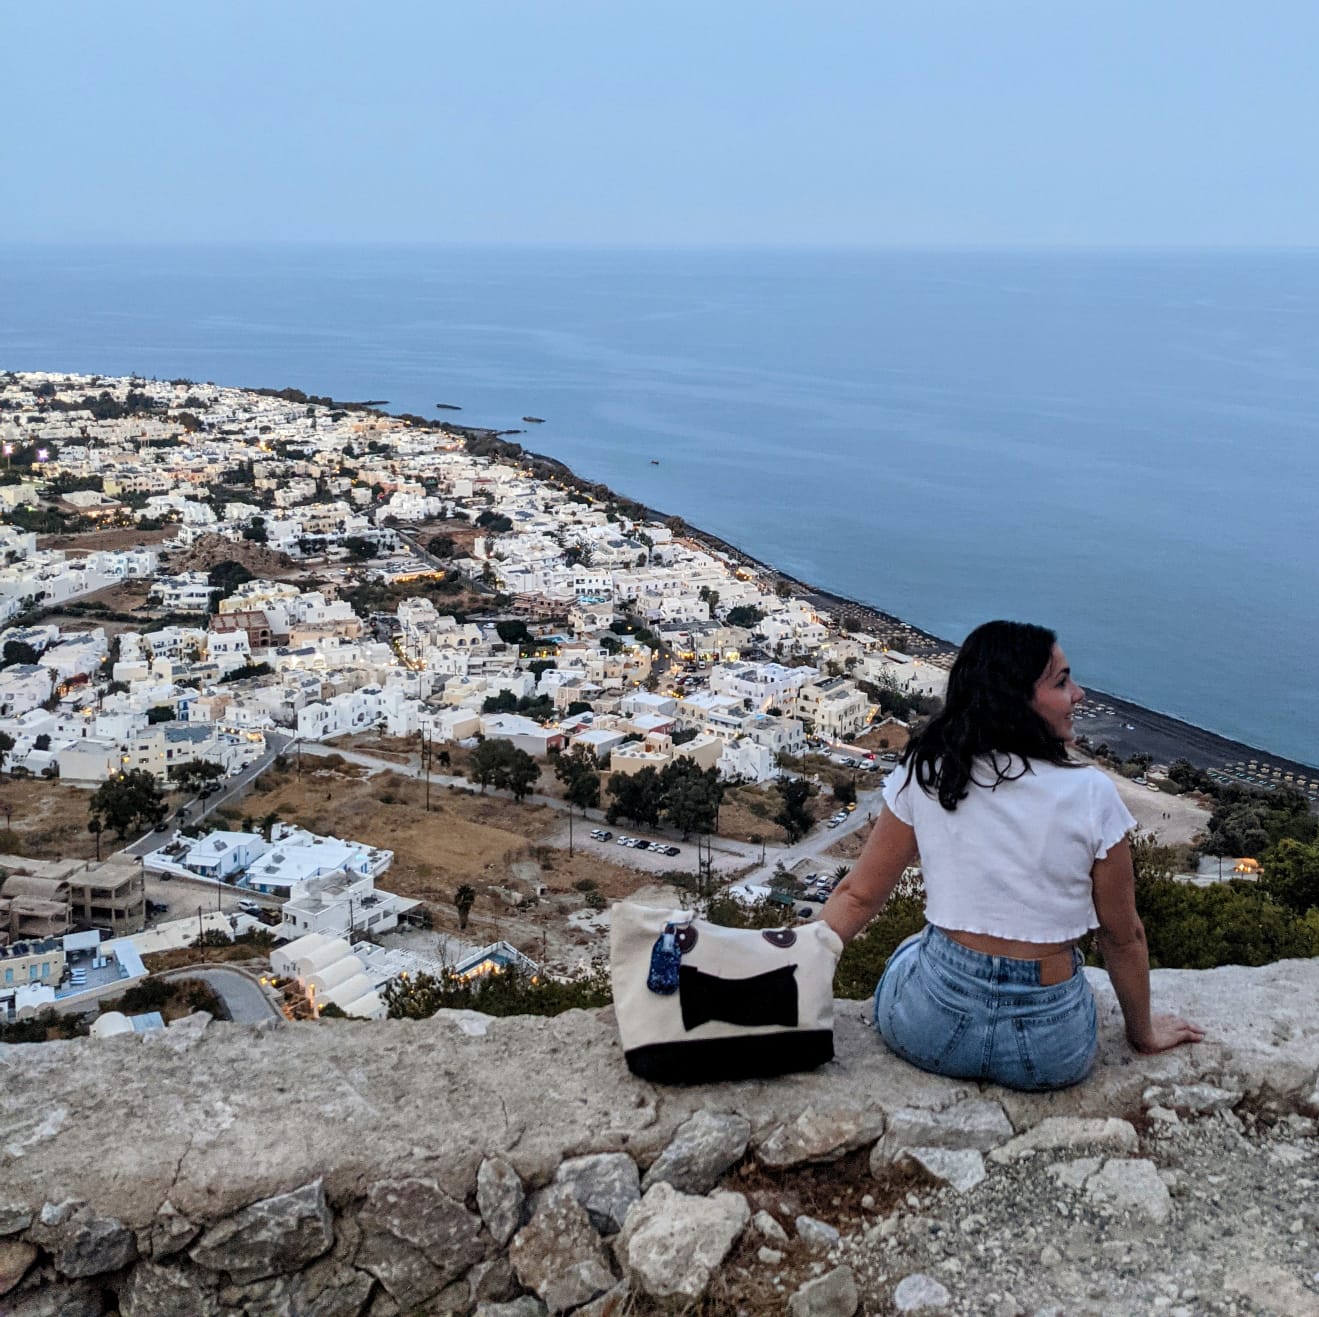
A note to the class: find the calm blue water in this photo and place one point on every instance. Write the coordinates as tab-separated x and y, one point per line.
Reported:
1123	447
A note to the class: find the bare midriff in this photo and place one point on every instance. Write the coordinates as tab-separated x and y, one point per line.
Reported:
1005	946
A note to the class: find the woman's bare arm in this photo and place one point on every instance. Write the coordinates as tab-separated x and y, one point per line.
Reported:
1126	956
890	848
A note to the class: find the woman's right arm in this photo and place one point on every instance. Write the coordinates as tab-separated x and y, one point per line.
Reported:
1126	956
890	848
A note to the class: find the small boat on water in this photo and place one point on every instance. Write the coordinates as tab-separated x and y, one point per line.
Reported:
535	420
654	461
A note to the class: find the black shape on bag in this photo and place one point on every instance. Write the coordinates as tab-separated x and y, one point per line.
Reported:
720	1060
762	999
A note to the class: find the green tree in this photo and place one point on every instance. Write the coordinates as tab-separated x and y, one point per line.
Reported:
127	801
635	796
498	763
255	531
690	796
580	776
361	548
463	901
513	631
19	651
196	774
844	791
441	546
521	775
744	615
512	992
227	576
865	956
793	816
1291	874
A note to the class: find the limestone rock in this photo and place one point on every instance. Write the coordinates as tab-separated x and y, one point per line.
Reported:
329	1288
491	1281
274	1235
57	1214
612	1304
181	1035
559	1254
766	1226
1194	1099
499	1196
672	1242
1060	1133
15	1258
976	1123
156	1291
818	1236
1131	1185
606	1184
704	1147
14	1218
170	1233
92	1245
79	1298
1073	1174
416	1239
831	1295
920	1293
819	1136
959	1168
526	1306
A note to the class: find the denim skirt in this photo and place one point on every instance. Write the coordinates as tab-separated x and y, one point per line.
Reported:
968	1015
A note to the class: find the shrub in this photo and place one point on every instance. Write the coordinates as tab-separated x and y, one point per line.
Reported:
512	992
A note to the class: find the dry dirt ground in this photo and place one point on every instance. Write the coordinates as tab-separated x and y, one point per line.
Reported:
493	844
885	736
48	820
94	541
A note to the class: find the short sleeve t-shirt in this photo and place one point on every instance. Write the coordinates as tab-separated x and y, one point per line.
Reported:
1014	860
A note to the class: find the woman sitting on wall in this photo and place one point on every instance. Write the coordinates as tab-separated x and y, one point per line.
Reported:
1023	851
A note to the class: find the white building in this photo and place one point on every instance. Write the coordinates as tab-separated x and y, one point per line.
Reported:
343	905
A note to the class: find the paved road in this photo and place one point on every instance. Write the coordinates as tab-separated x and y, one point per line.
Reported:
276	744
242	998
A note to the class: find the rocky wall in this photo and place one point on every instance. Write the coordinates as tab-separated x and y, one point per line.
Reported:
512	1166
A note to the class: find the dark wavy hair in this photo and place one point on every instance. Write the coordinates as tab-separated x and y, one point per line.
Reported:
987	711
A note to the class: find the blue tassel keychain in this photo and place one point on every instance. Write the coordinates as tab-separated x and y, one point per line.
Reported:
665	958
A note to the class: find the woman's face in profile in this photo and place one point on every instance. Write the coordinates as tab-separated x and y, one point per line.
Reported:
1057	695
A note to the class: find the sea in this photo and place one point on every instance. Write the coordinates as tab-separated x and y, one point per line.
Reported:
1123	446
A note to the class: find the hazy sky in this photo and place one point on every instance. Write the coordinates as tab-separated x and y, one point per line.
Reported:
729	122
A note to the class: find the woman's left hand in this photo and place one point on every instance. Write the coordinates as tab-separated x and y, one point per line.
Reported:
1167	1032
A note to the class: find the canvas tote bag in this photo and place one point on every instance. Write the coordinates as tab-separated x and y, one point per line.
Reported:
698	1003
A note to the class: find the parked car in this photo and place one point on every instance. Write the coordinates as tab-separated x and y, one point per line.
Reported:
250	907
641	844
672	850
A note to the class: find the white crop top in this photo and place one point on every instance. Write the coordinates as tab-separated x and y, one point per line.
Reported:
1014	860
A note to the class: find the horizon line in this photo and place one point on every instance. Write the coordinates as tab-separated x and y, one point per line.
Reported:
618	246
